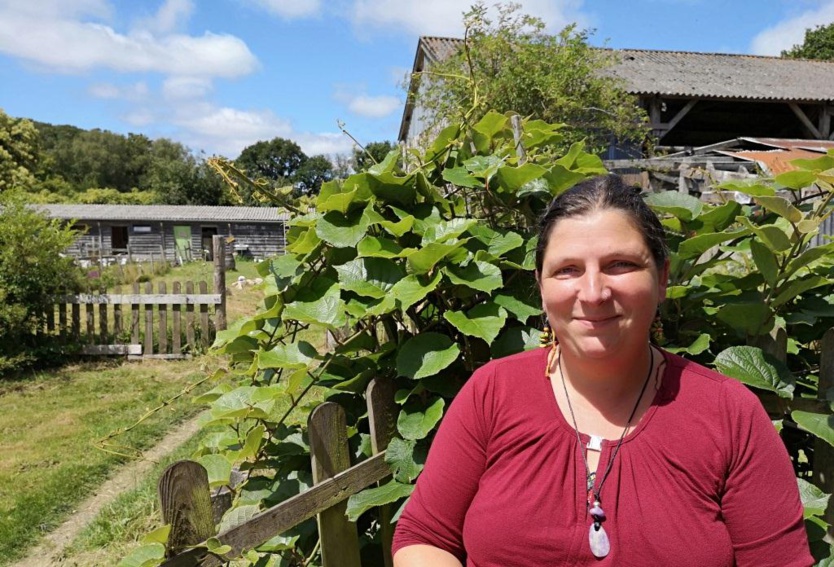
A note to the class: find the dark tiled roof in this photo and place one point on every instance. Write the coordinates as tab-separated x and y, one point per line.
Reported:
149	213
710	75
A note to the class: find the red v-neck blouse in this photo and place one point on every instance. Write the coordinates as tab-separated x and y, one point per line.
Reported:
702	480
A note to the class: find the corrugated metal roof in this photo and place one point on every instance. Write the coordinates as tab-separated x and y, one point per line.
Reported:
718	75
707	75
820	146
149	213
776	161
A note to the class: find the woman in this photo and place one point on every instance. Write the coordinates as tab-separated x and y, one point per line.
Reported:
603	449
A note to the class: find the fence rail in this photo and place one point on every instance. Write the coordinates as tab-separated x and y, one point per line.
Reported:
185	496
147	322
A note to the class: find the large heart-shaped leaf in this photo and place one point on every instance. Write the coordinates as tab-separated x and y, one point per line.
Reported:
371	277
814	500
481	276
681	205
413	288
320	303
483	321
363	501
416	420
426	355
755	368
400	454
293	355
820	424
425	259
148	555
343	230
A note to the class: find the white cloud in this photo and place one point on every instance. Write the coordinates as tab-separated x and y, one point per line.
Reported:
137	92
374	106
445	17
290	9
790	32
169	17
186	88
50	9
64	44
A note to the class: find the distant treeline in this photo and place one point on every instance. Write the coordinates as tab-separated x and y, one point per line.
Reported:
65	164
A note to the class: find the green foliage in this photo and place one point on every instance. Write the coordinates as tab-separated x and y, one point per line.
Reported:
281	163
514	64
32	271
372	154
18	152
818	44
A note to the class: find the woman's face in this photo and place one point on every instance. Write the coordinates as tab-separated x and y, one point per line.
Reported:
599	284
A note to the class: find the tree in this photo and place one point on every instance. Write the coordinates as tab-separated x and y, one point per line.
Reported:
818	44
32	271
18	152
372	153
177	177
514	65
278	160
312	173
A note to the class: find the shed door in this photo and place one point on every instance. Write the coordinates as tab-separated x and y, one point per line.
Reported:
182	238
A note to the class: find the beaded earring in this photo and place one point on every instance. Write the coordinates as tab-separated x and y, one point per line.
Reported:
657	330
546	337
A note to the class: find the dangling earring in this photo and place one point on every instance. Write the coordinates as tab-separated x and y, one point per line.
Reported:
547	338
657	330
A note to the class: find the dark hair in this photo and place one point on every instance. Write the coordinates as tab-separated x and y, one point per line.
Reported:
599	193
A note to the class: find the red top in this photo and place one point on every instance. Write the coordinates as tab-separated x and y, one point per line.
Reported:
702	480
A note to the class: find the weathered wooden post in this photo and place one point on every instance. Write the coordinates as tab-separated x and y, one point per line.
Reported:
330	455
186	505
219	249
382	414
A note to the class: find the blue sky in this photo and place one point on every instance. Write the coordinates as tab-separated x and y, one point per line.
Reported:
218	75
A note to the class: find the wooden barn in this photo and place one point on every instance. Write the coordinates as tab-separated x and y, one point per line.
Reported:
692	99
179	233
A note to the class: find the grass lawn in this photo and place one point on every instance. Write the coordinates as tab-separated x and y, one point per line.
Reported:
50	423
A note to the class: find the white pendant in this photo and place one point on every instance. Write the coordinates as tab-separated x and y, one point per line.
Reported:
600	546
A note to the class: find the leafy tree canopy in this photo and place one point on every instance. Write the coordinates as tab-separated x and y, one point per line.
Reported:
372	153
18	152
818	44
512	64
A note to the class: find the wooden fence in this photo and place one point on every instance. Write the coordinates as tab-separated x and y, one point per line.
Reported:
187	507
145	323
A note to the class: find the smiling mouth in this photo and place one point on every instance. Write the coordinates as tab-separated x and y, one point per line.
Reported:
596	320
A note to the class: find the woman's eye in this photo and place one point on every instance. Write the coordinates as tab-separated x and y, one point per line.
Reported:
622	265
565	271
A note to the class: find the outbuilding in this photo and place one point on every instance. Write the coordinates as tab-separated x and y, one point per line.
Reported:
179	233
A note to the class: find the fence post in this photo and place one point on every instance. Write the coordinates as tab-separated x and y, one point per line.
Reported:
329	454
163	321
219	250
148	322
381	418
185	500
823	452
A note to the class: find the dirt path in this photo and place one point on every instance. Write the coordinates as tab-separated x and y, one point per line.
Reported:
49	552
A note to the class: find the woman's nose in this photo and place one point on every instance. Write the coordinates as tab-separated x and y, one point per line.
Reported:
593	288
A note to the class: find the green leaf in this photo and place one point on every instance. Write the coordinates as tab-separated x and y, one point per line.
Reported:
749	318
484	321
415	422
482	276
522	309
765	261
371	277
413	288
336	202
373	247
491	124
681	205
512	179
484	166
820	424
369	498
252	443
237	516
216	547
400	455
755	368
400	227
755	189
425	355
797	287
497	242
219	469
697	245
771	235
515	339
391	188
159	535
797	179
699	345
149	555
719	218
343	230
461	177
424	260
320	303
819	164
293	355
560	179
781	207
808	257
814	500
447	230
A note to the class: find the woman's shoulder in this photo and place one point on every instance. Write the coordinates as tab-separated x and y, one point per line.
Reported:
707	381
515	365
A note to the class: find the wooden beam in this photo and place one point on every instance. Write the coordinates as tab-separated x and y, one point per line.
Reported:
144	298
287	514
681	113
805	120
825	122
102	350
